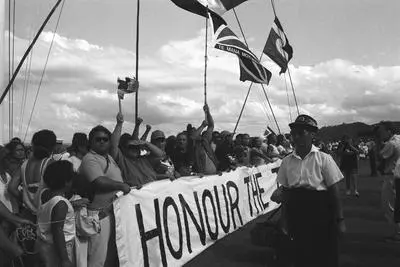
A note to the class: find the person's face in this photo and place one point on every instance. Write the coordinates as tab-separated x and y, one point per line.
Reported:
132	151
258	142
181	141
302	138
273	139
245	140
160	143
217	139
101	143
19	152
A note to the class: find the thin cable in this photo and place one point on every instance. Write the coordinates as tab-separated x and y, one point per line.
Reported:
272	111
240	26
288	100
264	106
137	60
44	69
290	77
25	91
205	61
12	68
241	111
244	37
294	94
9	68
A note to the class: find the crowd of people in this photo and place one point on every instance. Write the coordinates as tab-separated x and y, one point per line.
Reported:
59	204
56	193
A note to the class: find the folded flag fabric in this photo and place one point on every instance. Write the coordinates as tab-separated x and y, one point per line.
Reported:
221	6
199	7
226	40
127	86
253	71
277	46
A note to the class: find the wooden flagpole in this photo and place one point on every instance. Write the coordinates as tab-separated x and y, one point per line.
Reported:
10	83
137	62
205	61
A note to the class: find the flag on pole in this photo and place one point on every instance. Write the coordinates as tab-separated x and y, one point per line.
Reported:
127	86
192	6
221	6
277	46
199	7
226	40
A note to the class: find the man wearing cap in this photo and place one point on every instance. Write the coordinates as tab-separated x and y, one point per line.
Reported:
164	167
224	151
310	184
136	170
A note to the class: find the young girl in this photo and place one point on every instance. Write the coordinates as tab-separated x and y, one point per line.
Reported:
56	216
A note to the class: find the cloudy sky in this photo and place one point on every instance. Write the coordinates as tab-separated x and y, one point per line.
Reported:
346	65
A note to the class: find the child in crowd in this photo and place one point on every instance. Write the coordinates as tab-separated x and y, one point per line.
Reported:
56	216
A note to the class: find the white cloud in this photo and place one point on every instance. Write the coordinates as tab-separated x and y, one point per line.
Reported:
80	83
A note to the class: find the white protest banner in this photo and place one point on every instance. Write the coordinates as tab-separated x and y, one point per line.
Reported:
168	223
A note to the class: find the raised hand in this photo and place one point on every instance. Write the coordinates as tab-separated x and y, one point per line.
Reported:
139	120
120	117
204	123
148	127
205	108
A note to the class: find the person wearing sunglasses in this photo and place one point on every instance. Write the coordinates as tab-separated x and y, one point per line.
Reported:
137	169
309	180
105	178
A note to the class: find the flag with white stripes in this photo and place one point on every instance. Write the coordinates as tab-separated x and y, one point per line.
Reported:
226	40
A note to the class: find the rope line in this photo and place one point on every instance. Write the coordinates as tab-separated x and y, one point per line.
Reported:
244	37
44	69
288	100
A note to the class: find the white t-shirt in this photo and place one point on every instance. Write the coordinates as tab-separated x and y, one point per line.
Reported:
44	220
316	171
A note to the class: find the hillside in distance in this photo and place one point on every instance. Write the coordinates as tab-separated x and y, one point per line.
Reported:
355	130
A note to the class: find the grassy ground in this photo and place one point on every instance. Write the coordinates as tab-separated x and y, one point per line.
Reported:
362	246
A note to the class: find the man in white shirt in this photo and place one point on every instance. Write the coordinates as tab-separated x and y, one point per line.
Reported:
391	154
311	200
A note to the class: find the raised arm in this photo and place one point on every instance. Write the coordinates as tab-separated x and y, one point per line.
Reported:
197	132
154	150
135	133
210	121
116	135
146	133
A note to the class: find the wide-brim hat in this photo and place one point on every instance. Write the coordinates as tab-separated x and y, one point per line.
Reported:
157	134
225	134
304	121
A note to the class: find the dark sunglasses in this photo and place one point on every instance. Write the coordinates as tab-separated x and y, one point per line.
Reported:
100	139
298	132
133	147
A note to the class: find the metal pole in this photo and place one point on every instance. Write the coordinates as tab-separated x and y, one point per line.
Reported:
10	83
137	60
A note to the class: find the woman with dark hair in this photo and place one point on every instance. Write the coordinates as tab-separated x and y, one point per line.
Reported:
15	156
56	241
78	149
30	175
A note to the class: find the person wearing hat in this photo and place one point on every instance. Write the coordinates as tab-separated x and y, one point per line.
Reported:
224	152
136	169
164	167
309	181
